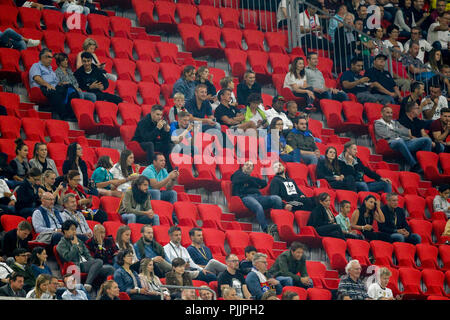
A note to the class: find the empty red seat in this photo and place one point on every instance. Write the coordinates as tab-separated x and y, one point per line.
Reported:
321	277
149	92
263	242
429	162
359	250
164	210
237	241
382	252
232	38
229	17
415	205
161	234
276	41
187	13
405	253
58	130
444	160
190	34
9	60
372	111
120	26
211	215
423	228
75	41
186	213
99	24
444	254
125	69
10	222
107	116
254	39
31	17
237	60
438	230
209	15
258	61
130	113
53	20
249	19
267	20
145	49
434	282
214	240
279	62
428	256
34	129
54	40
167	52
123	48
127	133
166	15
318	294
144	12
335	249
11	101
58	152
410	279
170	72
8	16
84	112
148	70
127	90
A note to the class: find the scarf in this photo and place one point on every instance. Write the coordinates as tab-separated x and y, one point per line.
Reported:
262	280
249	113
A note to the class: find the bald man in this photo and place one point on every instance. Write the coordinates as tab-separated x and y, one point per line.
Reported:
101	246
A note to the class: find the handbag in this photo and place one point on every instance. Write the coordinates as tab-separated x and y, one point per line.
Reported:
44	237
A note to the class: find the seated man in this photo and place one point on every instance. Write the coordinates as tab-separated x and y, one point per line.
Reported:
381	81
41	75
290	267
160	178
301	138
439	33
174	249
432	110
247	188
70	212
311	35
395	222
277	111
246	265
440	128
71	249
17	238
315	79
47	219
353	82
11	39
417	91
286	188
181	135
259	280
14	288
201	254
22	267
147	247
247	87
442	80
186	84
232	278
200	108
228	115
400	138
91	79
351	165
72	289
413	64
153	133
101	246
416	35
351	287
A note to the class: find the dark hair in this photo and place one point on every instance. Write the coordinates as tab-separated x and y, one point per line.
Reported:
34	172
72	155
188	69
145	226
67	224
445	110
36	148
410	105
104	162
322	196
295	245
19	144
19	251
289	295
14	275
343	203
157	154
356	59
178	262
416	85
348	144
274	122
254	97
121	255
391	28
34	258
200	69
157	107
443	187
362	208
122	229
333	165
293	68
60	57
172	229
221	93
139	196
72	174
44	51
87	55
193	230
126	170
310	54
24	225
249	249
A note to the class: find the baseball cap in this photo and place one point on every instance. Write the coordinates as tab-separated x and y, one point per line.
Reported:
278	98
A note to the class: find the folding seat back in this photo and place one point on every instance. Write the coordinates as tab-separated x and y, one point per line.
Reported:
58	152
263	242
428	256
229	17
353	111
297	172
164	210
372	111
11	101
423	228
237	241
9	60
53	19
127	90
237	60
111	228
335	249
145	49
410	279
111	206
211	36
84	112
186	13
112	153
190	34
10	222
415	205
258	62
144	12
254	39
434	282
211	215
165	12
149	92
186	213
444	160
75	41
148	70
276	41
58	131
120	26
249	19
359	249
123	48
444	254
99	24
125	69
10	127
318	294
209	15
54	40
8	16
130	113
279	62
405	254
31	18
382	252
214	240
170	72
9	147
267	20
332	110
167	52
135	231
161	234
34	129
107	115
410	182
438	229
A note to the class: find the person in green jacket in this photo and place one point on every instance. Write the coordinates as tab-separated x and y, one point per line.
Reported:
301	138
71	249
288	264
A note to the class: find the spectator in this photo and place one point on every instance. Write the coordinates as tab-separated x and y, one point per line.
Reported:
5	271
181	132
200	108
254	112
59	96
330	169
53	287
363	219
126	169
247	188
440	129
346	42
147	248
440	201
205	294
123	242
247	87
226	83
290	267
292	111
351	287
104	180
174	249
381	80
72	6
150	281
75	162
178	100
159	178
228	115
14	288
435	60
378	290
438	32
101	246
424	46
11	39
17	238
343	221
153	133
7	198
277	112
28	198
442	81
38	262
40	289
188	294
246	265
399	72
316	80
395	222
259	281
417	91
90	45
204	77
41	160
70	249
73	290
393	32
337	21
278	143
415	67
440	8
178	277
136	204
420	15
351	165
301	138
404	18
290	295
311	35
48	180
287	189
362	15
230	294
65	76
186	84
323	220
437	102
21	266
201	254
47	220
296	81
92	79
232	278
282	14
353	82
109	290
19	165
399	138
70	212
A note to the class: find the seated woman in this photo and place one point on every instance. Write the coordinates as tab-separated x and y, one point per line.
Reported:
150	281
109	290
363	219
48	185
123	242
203	76
28	195
74	162
128	280
41	160
296	81
90	45
178	277
136	206
329	168
125	169
65	75
323	220
104	181
40	291
38	262
286	153
19	166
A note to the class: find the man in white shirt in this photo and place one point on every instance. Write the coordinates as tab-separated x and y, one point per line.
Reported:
439	31
416	35
311	30
432	111
282	14
277	111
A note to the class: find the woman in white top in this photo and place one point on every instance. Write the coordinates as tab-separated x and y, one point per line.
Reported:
125	168
378	290
123	242
296	81
393	33
150	281
404	18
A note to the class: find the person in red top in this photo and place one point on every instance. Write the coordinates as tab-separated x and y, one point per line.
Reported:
401	76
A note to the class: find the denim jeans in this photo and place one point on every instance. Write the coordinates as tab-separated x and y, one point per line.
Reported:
165	195
374	186
285	281
87	96
406	148
413	238
294	156
257	203
340	96
308	158
10	36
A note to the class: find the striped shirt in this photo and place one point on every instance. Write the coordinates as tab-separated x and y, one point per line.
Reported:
354	290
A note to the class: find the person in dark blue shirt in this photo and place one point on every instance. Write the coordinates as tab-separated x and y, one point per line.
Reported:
200	107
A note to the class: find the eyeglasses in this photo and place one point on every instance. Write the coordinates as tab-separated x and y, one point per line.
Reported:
49	199
50	57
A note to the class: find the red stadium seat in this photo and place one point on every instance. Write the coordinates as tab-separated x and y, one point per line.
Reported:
322	278
127	90
434	282
410	279
349	196
130	113
214	240
335	249
31	17
164	210
170	72
438	230
112	153
372	111
263	242
190	34
359	250
75	41
84	112
254	39
444	254
145	49
229	17
166	16
318	294
123	48
276	41
9	147
111	228
58	131
11	101
405	253
237	241
34	129
54	40
99	24
209	15
167	52
186	213
423	228
429	162
111	206
10	222
148	70
444	160
8	16
211	215
382	253
144	12
161	234
302	293
258	61
149	92
120	26
187	13
211	37
237	60
107	116
279	62
428	256
10	127
57	152
249	19
53	20
415	205
125	69
9	60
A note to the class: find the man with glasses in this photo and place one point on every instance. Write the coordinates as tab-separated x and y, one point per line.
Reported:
59	95
22	267
84	232
424	45
186	84
259	280
233	278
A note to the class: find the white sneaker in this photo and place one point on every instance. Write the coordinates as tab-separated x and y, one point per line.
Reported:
33	43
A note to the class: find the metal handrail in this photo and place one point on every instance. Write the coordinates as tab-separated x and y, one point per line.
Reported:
185	287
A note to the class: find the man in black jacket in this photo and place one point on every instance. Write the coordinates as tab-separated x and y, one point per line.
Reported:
247	188
395	222
15	286
286	188
17	238
153	134
91	79
352	166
